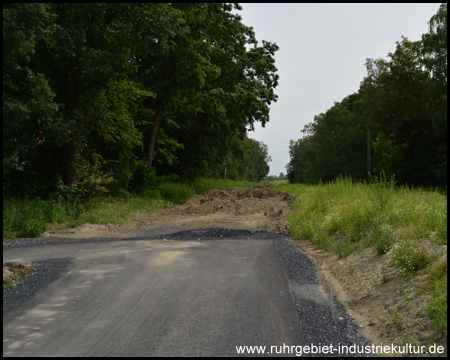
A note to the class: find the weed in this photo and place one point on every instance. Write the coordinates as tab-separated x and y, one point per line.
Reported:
344	248
397	318
407	339
409	256
29	217
437	307
381	236
437	273
176	192
405	295
380	191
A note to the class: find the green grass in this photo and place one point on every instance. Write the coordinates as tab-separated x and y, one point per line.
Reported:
31	217
408	225
345	210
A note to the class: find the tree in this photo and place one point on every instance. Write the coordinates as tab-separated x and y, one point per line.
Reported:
434	58
89	90
71	63
221	84
29	106
402	102
333	145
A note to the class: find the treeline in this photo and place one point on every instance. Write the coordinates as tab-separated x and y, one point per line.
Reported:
400	111
93	93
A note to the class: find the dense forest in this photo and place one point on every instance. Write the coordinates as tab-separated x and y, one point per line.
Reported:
99	97
395	123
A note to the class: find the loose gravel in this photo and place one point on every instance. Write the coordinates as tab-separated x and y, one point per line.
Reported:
46	272
322	318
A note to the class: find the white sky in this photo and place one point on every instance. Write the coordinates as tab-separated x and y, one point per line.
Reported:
323	49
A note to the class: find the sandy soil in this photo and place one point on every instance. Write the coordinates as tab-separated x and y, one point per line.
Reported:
389	308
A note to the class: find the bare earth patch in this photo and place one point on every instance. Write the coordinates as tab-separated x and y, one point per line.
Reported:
15	272
388	307
261	208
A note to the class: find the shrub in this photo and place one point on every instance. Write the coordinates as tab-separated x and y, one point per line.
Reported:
409	256
381	236
380	191
33	228
143	178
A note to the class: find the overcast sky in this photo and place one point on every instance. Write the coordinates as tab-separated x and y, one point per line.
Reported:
323	49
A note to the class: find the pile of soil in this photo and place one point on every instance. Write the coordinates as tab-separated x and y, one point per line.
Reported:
260	208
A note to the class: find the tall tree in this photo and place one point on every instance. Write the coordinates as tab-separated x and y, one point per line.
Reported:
75	64
403	102
29	105
434	58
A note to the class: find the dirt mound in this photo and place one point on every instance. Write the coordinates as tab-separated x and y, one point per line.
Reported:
260	208
238	201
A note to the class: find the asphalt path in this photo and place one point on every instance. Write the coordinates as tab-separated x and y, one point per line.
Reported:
155	298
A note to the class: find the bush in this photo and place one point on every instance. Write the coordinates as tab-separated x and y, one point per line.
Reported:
143	179
33	228
381	236
380	191
7	228
409	256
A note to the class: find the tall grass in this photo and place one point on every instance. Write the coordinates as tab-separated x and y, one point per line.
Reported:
335	216
29	217
408	225
379	214
179	192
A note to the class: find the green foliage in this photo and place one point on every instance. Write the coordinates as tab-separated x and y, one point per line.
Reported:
380	191
29	217
143	179
410	256
400	109
89	89
340	216
332	145
381	235
437	307
176	192
32	228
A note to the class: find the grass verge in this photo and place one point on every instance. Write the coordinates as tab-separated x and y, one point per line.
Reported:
407	225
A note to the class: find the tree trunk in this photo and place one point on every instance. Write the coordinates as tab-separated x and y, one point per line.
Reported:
159	107
71	165
151	145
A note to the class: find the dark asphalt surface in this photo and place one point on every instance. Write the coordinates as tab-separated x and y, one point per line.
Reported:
191	293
